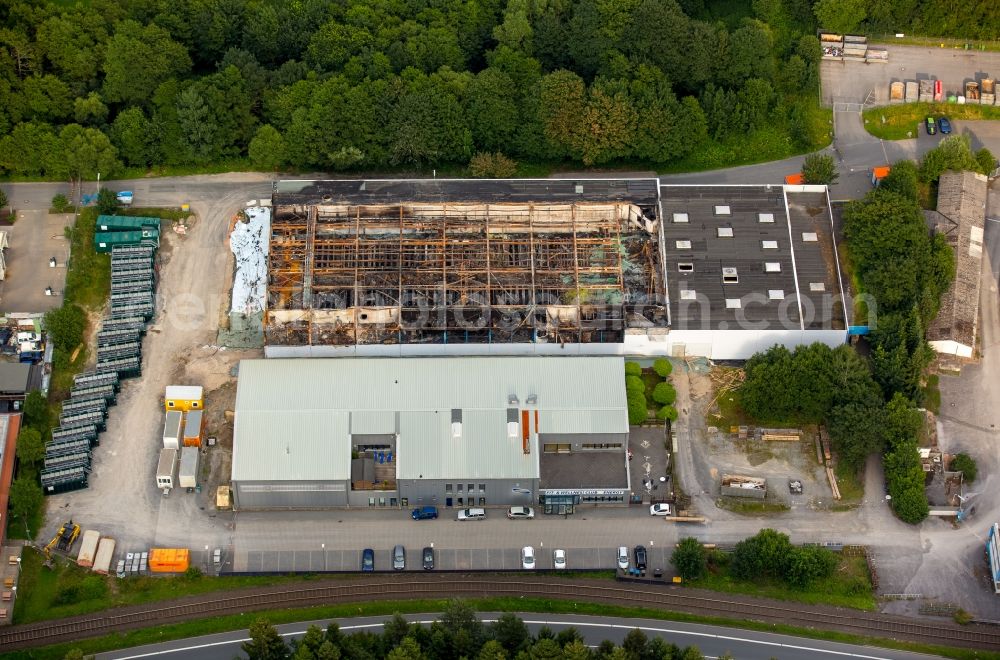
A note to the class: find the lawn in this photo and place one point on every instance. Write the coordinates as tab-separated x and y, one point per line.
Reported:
852	488
88	280
932	394
901	122
849	586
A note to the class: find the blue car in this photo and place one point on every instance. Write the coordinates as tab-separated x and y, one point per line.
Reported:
944	126
368	560
425	513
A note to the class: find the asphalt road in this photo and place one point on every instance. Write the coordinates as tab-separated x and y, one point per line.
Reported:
713	641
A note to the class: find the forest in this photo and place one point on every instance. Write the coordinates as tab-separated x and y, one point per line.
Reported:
108	86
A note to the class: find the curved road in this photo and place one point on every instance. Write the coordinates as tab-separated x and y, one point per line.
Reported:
713	641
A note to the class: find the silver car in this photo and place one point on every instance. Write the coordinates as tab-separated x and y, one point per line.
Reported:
398	558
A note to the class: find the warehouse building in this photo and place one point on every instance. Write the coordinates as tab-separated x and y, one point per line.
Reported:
441	431
549	267
960	218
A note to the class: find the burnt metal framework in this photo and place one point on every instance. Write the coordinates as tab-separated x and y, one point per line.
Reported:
430	272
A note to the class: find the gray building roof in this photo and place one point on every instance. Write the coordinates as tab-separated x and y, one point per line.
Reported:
961	219
742	256
295	418
14	377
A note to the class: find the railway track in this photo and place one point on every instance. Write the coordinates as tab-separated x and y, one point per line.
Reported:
652	597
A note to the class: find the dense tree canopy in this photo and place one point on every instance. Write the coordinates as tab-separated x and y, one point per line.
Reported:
352	84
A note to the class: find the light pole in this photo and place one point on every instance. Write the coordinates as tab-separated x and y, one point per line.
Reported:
323	548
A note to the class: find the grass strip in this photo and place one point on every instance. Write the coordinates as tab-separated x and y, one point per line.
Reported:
902	122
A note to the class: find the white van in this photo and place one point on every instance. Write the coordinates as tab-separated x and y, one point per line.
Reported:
623	558
472	514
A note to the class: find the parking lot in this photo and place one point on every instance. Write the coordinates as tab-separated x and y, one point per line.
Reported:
34	239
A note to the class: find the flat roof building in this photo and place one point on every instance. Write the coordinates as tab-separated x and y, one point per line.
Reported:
442	431
961	218
549	267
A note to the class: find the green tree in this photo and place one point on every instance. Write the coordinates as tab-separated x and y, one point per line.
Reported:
840	15
664	393
60	203
65	325
511	633
36	410
74	654
667	413
902	180
634	384
563	103
809	563
3	199
952	153
30	446
965	464
267	149
85	152
25	498
90	110
633	369
491	104
690	559
135	136
107	201
903	472
492	166
765	554
265	643
636	401
820	169
986	161
137	59
663	367
30	149
856	430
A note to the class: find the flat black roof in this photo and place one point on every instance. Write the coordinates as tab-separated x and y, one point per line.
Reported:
737	255
388	191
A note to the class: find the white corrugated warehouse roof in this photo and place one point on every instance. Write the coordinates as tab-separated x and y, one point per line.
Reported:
294	418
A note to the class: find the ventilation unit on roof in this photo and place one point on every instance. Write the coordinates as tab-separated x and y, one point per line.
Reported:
769	245
817	286
689	294
765	217
729	276
725	232
809	236
776	294
680	217
733	303
722	210
683	245
772	267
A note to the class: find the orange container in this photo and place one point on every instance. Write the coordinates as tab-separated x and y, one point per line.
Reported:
795	179
169	560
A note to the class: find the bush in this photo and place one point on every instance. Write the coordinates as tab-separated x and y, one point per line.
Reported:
809	563
966	465
668	413
107	202
636	408
59	203
663	367
819	169
90	587
690	559
65	326
635	384
633	369
902	179
664	393
987	163
192	573
485	165
765	554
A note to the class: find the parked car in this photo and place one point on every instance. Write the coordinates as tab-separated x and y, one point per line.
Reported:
428	555
944	125
398	558
639	552
931	126
623	558
472	514
528	558
559	559
368	560
425	513
519	512
659	510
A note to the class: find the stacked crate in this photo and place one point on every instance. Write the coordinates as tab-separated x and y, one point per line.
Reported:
119	351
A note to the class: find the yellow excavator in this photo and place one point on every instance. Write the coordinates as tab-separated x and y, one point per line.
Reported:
63	540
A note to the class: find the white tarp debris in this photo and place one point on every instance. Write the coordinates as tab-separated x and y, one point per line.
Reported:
249	242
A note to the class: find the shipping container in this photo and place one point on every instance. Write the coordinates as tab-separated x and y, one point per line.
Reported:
132	274
988	96
64	480
124	367
64	448
74	406
972	92
912	91
926	91
184	397
166	468
84	419
126	223
144	285
94	378
59	461
105	553
118	351
84	432
127	323
187	476
104	241
192	429
169	560
877	55
119	336
144	310
132	250
106	392
88	548
172	429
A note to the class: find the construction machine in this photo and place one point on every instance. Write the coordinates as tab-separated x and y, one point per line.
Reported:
63	539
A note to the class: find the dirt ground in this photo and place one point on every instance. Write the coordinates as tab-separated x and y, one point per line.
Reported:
122	500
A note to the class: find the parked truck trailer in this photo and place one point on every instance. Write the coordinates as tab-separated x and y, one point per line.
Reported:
105	553
88	548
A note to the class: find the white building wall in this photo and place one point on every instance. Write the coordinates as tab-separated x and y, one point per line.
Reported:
713	344
951	347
